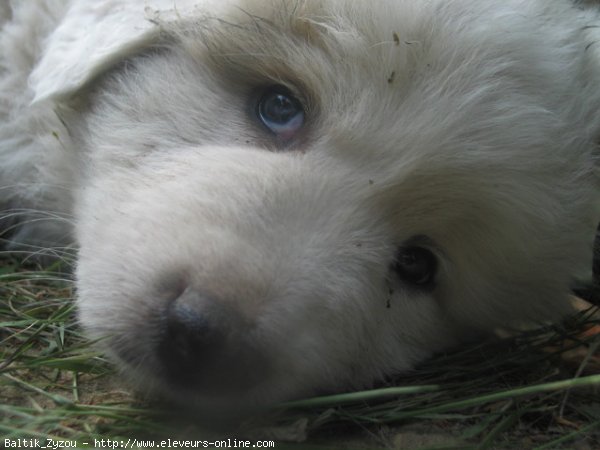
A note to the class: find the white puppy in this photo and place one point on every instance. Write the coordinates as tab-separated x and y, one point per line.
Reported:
277	198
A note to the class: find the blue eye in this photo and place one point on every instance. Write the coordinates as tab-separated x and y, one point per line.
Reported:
280	112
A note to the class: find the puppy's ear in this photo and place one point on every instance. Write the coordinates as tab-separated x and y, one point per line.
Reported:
93	36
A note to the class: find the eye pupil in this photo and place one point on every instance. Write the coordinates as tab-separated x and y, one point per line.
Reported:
280	112
278	108
415	265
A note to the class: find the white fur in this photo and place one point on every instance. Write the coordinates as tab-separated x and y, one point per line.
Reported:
471	122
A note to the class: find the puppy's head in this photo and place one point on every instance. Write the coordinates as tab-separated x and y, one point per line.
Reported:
282	198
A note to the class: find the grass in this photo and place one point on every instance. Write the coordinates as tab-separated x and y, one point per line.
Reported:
536	390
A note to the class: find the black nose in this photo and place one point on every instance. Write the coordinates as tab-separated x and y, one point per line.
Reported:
192	332
206	343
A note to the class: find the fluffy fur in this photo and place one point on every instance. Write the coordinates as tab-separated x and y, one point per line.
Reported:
468	127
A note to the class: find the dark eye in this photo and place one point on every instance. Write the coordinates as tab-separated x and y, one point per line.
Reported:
280	112
415	265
